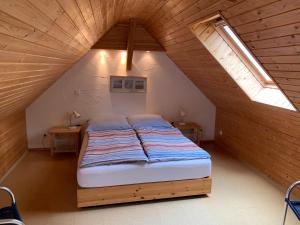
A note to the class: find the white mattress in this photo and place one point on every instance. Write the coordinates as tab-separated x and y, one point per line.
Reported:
134	173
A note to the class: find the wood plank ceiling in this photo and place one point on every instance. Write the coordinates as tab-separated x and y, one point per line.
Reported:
117	38
40	39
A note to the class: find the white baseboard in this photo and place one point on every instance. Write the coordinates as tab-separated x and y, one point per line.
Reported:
13	166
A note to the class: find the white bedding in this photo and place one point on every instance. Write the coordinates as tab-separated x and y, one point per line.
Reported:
133	173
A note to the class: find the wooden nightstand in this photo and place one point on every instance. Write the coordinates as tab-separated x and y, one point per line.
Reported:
65	139
190	130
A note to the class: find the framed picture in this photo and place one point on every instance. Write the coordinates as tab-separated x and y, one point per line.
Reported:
118	84
139	85
128	84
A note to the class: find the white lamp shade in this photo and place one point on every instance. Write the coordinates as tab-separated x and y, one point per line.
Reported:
76	114
182	113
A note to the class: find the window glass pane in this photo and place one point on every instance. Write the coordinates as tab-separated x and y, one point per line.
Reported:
247	53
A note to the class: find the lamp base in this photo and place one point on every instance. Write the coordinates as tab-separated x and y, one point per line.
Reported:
72	127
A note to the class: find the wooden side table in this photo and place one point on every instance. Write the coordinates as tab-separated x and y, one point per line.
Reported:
191	130
65	139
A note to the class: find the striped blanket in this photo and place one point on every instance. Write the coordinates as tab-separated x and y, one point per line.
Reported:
167	144
112	146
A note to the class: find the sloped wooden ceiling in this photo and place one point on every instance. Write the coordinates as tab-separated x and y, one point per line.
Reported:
40	39
117	37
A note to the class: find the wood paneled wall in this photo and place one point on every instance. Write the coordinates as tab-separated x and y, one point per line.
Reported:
272	151
39	39
13	141
265	136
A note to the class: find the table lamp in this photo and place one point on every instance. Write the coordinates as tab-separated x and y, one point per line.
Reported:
182	114
74	115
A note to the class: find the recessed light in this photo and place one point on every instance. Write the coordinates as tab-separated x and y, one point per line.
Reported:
102	53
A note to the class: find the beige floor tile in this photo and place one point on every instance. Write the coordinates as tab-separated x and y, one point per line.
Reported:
45	189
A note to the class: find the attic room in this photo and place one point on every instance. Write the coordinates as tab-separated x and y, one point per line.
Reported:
150	112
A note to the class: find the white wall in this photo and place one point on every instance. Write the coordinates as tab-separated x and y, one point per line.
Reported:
85	88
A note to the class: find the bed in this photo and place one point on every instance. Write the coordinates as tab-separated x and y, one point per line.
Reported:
140	181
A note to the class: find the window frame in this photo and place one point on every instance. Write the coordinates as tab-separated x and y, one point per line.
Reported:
219	26
262	83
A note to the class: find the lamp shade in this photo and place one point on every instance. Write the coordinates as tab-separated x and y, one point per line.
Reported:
182	112
76	114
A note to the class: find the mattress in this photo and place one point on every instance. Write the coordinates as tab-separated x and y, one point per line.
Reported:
134	173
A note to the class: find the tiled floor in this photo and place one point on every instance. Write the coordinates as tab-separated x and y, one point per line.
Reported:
45	189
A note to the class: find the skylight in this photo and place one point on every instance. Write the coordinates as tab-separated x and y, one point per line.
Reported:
247	53
233	55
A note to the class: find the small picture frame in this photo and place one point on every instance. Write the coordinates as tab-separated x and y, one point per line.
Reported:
129	84
118	84
139	84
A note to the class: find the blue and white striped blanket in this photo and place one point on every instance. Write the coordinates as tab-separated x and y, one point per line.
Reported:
111	147
167	144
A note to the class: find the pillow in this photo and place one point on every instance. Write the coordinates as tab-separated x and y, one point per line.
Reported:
109	122
148	121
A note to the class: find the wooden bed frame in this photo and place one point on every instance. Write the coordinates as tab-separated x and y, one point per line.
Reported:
140	192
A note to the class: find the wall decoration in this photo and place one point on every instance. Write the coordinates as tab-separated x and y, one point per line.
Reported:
128	84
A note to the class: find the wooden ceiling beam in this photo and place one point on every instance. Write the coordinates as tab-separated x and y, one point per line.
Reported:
130	43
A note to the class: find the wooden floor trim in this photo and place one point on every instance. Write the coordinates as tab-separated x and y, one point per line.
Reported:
13	167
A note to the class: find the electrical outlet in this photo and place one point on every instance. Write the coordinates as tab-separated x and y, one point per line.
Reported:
77	92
